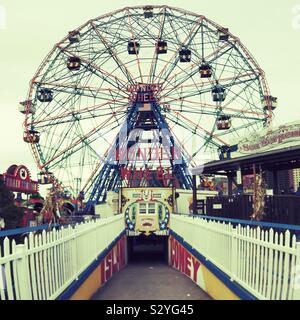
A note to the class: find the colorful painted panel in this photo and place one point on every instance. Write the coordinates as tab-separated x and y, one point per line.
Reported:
147	210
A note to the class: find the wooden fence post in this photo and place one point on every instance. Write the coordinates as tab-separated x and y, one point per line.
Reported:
296	275
23	278
234	254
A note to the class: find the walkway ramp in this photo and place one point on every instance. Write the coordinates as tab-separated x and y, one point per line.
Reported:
148	277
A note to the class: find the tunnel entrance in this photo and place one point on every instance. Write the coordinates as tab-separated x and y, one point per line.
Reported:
152	249
148	275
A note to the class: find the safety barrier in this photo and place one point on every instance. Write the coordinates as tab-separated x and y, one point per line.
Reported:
47	264
264	263
278	209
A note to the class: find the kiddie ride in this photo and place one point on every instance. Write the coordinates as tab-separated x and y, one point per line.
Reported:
17	179
124	118
58	206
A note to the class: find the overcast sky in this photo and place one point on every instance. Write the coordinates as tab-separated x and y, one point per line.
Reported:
30	28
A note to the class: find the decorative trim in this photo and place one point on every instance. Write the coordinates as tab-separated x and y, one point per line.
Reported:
75	285
223	277
248	222
12	232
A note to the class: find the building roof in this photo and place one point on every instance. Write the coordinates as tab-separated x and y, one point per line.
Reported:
275	160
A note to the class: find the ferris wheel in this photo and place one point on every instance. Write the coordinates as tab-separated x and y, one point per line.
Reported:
211	89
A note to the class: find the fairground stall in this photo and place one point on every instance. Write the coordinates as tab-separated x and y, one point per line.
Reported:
256	170
17	179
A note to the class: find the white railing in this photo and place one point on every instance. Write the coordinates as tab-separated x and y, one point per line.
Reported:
265	263
46	264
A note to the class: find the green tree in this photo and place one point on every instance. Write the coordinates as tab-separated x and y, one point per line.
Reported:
11	214
6	196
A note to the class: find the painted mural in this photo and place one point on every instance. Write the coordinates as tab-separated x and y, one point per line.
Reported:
147	210
182	260
113	262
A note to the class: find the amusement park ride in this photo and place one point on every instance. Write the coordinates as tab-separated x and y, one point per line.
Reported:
124	106
36	210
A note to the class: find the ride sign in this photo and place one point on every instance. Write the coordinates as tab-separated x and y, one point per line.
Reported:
17	179
284	136
144	93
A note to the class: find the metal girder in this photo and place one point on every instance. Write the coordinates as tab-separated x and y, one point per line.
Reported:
109	175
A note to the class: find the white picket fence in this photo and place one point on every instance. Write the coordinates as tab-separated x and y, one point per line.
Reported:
46	264
265	263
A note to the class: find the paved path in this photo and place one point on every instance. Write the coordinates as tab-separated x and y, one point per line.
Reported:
148	278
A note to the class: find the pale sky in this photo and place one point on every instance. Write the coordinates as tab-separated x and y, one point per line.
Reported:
29	29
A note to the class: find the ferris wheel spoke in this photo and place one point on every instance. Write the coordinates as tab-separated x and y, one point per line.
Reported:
255	68
240	114
246	101
79	141
74	118
194	127
224	67
59	104
230	81
118	106
213	56
142	27
198	126
206	88
187	105
79	147
204	137
81	89
100	72
114	54
237	129
190	37
173	29
92	176
239	96
93	111
194	69
186	154
87	144
155	55
136	54
207	144
55	140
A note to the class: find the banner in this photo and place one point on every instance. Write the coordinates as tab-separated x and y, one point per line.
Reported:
183	261
114	261
284	136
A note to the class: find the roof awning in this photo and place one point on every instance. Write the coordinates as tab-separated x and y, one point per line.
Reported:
276	160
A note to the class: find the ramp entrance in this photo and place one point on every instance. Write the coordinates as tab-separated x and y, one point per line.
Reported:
144	250
148	275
